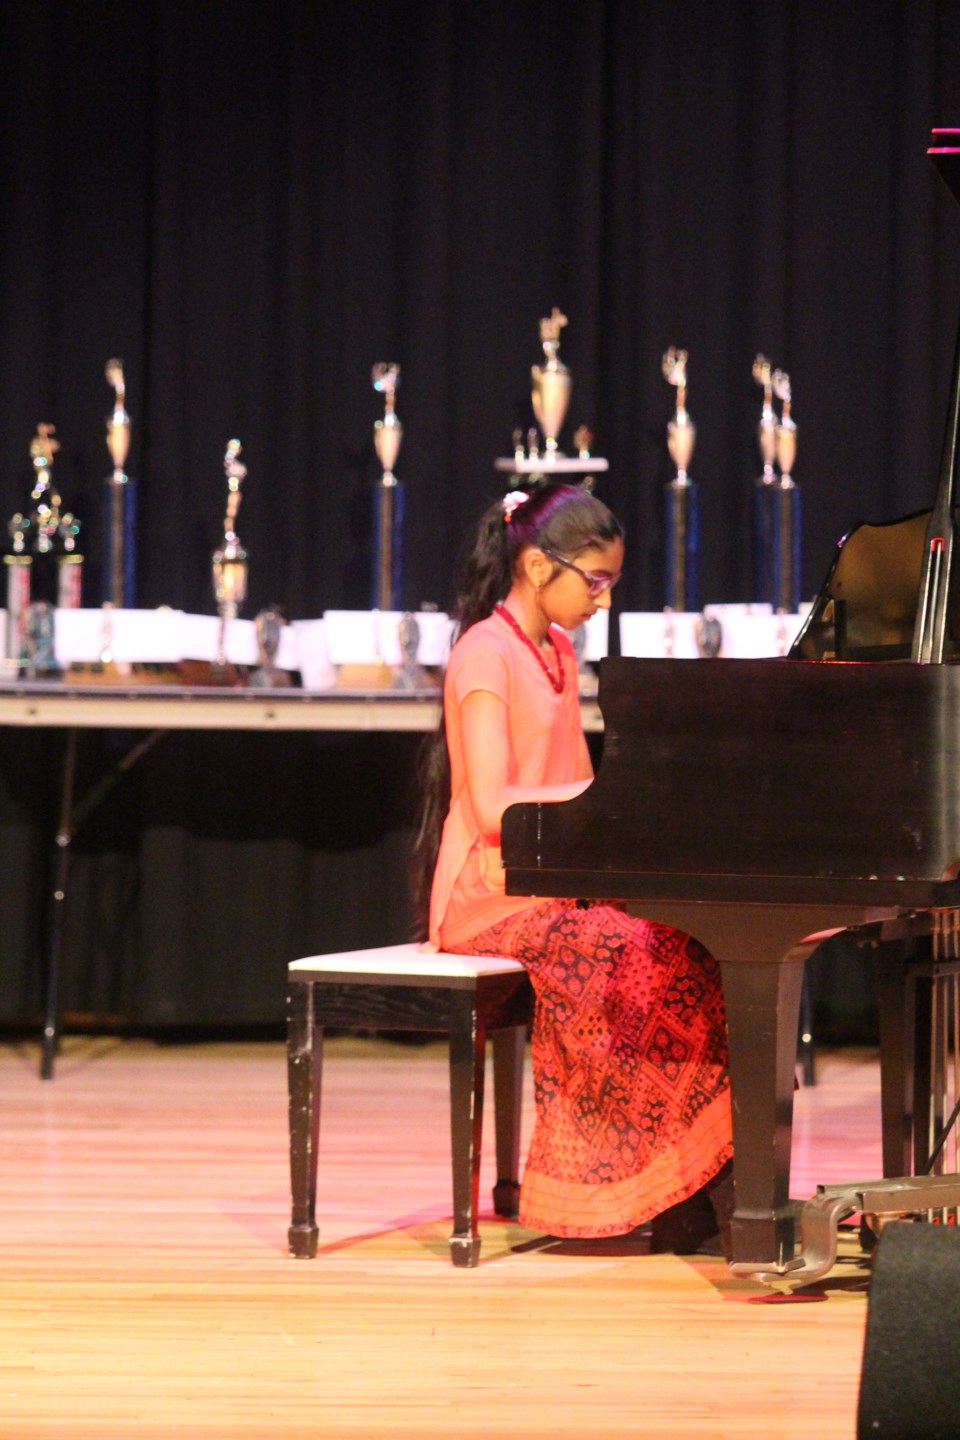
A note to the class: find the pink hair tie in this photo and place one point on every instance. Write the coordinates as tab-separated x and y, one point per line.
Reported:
512	501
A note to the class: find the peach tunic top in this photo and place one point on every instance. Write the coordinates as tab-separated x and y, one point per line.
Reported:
546	748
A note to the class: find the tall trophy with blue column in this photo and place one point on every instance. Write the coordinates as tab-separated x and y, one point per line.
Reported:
788	556
388	497
777	504
765	498
120	503
681	497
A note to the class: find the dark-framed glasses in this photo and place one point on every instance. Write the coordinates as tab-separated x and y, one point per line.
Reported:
596	584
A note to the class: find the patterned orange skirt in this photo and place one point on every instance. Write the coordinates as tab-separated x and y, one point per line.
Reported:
629	1063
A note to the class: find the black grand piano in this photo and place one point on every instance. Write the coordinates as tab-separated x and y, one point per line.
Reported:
737	800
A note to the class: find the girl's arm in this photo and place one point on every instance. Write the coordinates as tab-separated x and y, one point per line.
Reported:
486	752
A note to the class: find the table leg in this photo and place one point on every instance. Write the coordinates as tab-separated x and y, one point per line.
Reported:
61	873
72	815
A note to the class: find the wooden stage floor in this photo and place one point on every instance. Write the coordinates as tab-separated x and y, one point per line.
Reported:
146	1290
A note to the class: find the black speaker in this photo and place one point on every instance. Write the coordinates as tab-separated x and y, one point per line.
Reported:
910	1381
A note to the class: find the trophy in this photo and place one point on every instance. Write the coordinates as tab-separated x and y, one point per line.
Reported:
267	627
40	637
765	492
388	497
230	559
777	500
55	530
551	383
767	429
788	552
682	496
43	553
120	502
18	566
708	634
411	675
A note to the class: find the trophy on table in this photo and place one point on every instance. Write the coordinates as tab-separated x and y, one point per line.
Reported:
765	491
777	499
120	502
550	386
388	500
788	555
682	496
40	641
267	628
411	674
229	560
43	563
18	566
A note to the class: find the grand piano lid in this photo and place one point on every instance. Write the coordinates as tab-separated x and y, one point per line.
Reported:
892	590
866	608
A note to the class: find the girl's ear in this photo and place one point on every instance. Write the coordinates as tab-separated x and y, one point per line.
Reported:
536	566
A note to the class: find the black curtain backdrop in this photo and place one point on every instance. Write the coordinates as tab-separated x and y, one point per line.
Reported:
252	203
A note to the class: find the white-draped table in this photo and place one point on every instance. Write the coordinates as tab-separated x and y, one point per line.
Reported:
157	709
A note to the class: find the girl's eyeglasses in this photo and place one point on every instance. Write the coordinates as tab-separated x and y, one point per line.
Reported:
596	584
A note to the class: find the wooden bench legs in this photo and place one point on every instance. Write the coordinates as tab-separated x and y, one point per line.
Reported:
498	1006
304	1083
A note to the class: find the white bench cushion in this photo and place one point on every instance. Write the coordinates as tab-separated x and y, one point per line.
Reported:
402	964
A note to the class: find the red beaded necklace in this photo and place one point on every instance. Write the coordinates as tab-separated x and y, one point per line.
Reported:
555	680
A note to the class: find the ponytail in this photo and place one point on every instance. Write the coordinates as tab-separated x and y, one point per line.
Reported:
488	572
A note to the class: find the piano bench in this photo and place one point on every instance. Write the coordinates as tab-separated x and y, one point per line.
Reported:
401	987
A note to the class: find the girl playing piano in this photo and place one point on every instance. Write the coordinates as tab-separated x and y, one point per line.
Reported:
629	1043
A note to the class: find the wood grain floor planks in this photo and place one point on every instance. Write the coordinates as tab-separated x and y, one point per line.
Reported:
146	1291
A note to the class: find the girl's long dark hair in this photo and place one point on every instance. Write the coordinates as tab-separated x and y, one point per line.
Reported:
563	518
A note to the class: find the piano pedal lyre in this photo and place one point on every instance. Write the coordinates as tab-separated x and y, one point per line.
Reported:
933	1196
941	1142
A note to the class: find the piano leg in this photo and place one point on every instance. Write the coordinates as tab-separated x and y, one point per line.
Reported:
761	950
897	995
763	1005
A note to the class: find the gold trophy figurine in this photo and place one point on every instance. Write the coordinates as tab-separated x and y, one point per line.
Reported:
230	559
551	384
